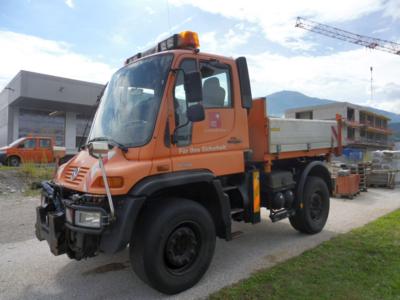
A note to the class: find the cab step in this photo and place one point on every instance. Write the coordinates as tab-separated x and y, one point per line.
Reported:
280	215
237	214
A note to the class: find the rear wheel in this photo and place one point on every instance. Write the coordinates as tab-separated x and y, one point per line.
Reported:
13	161
173	245
312	214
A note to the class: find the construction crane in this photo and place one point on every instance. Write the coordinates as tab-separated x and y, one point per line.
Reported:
336	33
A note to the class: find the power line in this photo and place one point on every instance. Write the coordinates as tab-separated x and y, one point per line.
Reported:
336	33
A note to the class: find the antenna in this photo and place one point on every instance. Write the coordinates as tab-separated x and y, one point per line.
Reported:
169	17
371	69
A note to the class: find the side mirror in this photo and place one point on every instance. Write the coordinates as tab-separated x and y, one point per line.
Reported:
195	113
97	149
193	87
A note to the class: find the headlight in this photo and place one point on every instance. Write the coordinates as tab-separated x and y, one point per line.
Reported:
90	219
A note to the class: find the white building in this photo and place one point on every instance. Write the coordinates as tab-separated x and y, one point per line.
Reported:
362	129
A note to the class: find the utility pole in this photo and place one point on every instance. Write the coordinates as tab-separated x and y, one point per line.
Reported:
371	69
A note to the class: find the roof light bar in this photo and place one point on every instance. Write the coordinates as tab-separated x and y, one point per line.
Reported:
183	40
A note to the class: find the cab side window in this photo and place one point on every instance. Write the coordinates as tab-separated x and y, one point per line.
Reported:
216	85
183	134
28	144
44	143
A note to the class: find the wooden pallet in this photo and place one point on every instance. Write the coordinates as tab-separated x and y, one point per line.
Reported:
348	196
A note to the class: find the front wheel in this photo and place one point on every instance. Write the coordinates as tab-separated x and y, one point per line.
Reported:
173	245
312	214
13	161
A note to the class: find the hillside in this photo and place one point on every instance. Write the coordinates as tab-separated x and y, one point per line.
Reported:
280	101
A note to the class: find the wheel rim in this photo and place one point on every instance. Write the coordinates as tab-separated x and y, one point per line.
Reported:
14	162
316	207
182	248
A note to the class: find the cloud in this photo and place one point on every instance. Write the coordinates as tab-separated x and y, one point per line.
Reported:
119	39
27	52
70	3
277	18
149	10
343	76
226	43
392	9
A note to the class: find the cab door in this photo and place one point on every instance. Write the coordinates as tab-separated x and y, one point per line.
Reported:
45	152
27	150
204	145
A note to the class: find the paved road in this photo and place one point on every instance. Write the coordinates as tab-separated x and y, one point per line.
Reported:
29	271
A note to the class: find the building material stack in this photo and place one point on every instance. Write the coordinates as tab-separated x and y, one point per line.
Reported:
363	169
384	169
346	181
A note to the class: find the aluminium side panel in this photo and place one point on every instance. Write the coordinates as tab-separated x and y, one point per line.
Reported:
288	135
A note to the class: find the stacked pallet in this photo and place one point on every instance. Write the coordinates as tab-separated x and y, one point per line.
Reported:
384	169
345	179
362	169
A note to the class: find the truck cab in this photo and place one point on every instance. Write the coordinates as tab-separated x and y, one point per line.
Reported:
35	149
175	154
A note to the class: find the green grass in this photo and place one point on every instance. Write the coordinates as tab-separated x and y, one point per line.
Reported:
362	264
29	173
34	173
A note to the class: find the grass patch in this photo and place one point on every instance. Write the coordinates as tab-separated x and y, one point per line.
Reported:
361	264
34	173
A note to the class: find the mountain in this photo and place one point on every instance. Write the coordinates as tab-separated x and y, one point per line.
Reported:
280	101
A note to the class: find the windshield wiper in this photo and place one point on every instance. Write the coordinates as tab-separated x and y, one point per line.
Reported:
109	141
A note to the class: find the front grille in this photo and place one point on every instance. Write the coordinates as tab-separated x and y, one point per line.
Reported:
79	177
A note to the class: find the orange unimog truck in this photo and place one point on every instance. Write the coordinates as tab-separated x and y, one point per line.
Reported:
178	150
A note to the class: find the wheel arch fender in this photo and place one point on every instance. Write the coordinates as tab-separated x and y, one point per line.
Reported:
14	155
198	185
317	169
155	188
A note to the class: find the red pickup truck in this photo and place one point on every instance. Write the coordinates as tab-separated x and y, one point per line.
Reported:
36	149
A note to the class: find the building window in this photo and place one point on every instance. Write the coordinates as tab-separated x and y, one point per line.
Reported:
362	117
35	122
304	115
350	114
350	133
83	124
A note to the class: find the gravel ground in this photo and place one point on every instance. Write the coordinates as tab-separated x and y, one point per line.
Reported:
30	271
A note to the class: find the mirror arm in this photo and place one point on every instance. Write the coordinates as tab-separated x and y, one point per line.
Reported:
177	70
173	139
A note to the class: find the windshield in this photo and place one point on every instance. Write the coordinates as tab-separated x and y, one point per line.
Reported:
128	109
16	142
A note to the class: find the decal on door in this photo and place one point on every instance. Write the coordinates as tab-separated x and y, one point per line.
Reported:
214	119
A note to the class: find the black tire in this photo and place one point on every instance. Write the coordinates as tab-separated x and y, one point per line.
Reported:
13	161
173	244
312	217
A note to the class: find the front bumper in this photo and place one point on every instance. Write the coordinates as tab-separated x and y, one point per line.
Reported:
50	227
79	242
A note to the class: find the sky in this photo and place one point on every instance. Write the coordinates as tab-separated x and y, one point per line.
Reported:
89	40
